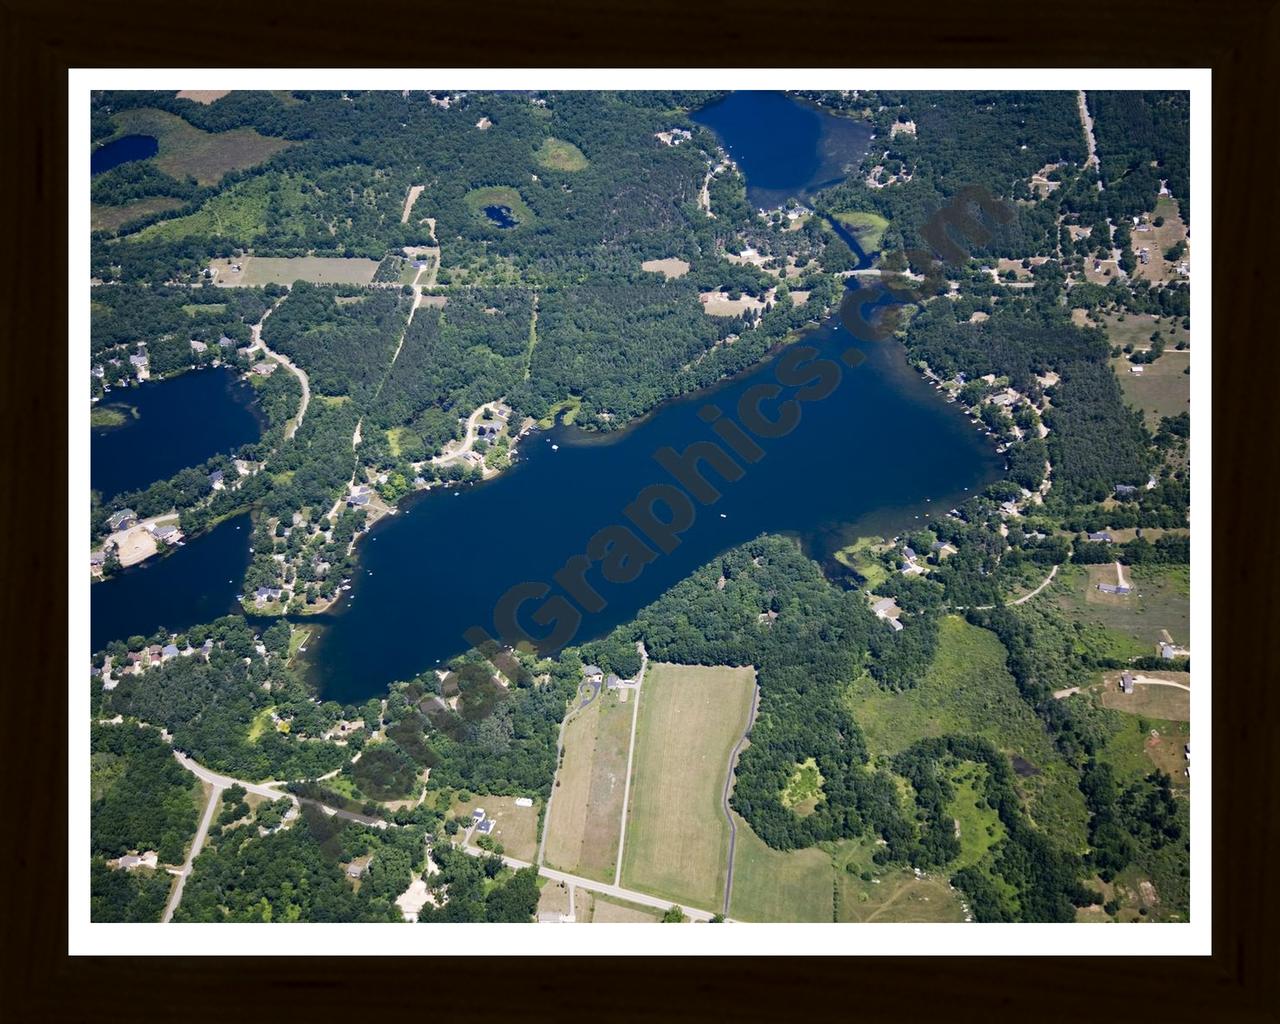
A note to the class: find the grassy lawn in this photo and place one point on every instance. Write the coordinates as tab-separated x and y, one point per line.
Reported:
677	838
1132	623
558	155
1170	703
112	218
1163	388
516	828
862	556
602	909
777	885
498	195
186	151
569	407
586	814
968	691
195	309
867	228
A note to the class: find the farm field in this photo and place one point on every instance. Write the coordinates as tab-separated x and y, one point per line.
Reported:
586	813
969	691
259	270
598	908
187	151
691	717
516	829
1133	622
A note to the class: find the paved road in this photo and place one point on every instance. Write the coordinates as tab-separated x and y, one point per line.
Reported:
728	788
631	749
197	844
468	442
270	789
616	891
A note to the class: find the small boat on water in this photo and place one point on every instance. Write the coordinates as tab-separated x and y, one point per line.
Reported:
555	447
723	516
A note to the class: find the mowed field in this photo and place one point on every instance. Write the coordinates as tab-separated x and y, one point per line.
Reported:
259	270
779	885
691	717
187	151
516	828
1162	389
1161	600
1149	698
586	810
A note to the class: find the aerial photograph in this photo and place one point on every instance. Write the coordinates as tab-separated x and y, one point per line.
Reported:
576	506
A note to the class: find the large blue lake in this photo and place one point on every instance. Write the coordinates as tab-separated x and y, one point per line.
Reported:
882	449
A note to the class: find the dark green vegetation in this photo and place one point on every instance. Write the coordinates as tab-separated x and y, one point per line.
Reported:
1143	138
141	800
209	706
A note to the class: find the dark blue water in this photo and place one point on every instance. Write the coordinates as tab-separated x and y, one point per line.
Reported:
501	215
181	422
868	455
195	583
122	151
784	147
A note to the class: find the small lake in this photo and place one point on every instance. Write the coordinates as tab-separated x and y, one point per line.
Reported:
194	583
501	216
123	150
785	147
170	425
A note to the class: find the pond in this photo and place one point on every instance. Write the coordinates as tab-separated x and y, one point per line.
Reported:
168	425
501	215
123	150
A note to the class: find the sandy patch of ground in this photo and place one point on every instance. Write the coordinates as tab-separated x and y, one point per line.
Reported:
436	301
800	297
668	268
978	316
719	303
205	96
409	200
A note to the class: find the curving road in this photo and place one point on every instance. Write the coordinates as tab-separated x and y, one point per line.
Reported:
292	426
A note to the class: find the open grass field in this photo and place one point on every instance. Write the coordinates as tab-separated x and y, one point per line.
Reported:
205	96
803	791
1171	703
969	691
779	885
896	895
1144	744
260	270
867	228
691	717
498	195
559	155
516	829
1161	600
979	826
112	218
186	151
862	557
1162	389
586	814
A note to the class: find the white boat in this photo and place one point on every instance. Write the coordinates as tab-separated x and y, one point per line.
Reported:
555	447
723	516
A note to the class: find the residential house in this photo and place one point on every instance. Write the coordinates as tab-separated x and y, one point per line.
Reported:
477	815
169	534
264	594
1125	490
169	652
265	368
486	826
216	480
1114	588
1101	537
592	673
612	682
1126	682
122	520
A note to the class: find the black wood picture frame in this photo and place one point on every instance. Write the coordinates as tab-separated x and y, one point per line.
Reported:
39	41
